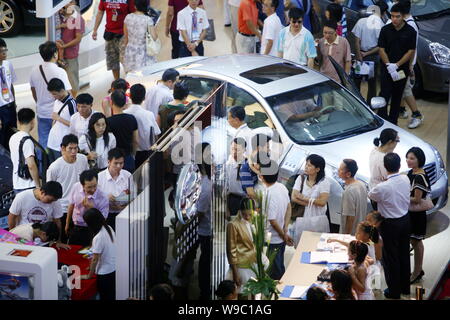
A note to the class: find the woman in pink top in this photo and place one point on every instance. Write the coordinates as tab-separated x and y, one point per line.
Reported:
119	84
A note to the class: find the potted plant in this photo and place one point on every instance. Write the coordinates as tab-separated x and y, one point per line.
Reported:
262	285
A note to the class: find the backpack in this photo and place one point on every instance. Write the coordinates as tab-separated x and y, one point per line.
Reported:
23	171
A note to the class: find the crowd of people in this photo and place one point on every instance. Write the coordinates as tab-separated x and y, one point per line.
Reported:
70	184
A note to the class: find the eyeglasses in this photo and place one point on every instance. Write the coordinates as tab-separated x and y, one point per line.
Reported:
296	21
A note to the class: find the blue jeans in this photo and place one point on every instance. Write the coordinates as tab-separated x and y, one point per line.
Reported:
44	126
278	264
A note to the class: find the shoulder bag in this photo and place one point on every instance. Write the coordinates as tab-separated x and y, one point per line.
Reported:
425	204
153	46
210	32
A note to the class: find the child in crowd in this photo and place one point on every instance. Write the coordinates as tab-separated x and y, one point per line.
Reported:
374	218
341	285
119	84
358	271
316	293
367	234
227	290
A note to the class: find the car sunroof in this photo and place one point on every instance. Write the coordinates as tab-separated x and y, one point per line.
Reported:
272	72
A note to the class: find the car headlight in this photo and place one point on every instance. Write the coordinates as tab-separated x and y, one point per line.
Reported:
440	53
440	165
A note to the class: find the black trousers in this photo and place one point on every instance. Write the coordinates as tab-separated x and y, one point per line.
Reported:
140	158
204	268
391	91
80	236
371	83
106	286
396	260
184	52
174	35
8	116
234	203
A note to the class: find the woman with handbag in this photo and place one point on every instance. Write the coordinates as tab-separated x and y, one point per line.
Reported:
138	26
420	203
97	142
312	192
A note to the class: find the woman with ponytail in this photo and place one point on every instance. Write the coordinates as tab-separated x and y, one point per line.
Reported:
383	145
103	262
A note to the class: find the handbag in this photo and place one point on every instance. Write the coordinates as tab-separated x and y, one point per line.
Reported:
424	204
153	46
297	209
92	163
210	32
313	224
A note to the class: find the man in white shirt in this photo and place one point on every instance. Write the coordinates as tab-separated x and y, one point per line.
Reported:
7	96
67	169
192	23
147	127
38	206
26	121
354	198
393	198
367	31
114	181
39	79
271	29
236	119
79	122
161	93
278	215
295	42
64	107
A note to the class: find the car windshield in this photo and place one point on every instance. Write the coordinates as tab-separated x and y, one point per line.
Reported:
429	7
322	113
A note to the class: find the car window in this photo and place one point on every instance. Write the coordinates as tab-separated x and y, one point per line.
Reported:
322	113
256	116
200	88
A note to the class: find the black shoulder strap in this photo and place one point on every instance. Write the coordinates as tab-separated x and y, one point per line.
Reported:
21	155
71	111
303	182
43	74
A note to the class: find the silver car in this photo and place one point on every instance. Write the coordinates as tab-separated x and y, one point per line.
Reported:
272	90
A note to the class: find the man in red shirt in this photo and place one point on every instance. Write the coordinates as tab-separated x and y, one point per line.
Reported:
247	27
116	11
174	7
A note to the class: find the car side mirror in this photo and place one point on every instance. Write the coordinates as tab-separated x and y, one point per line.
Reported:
378	102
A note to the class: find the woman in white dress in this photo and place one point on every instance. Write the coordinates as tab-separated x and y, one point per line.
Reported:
312	191
136	26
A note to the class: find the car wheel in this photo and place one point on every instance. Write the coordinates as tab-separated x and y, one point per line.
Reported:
10	18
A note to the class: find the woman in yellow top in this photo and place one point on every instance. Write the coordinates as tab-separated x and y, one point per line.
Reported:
241	252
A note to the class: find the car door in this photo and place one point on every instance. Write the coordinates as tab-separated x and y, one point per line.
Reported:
346	80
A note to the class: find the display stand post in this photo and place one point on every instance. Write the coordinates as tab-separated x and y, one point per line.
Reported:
50	28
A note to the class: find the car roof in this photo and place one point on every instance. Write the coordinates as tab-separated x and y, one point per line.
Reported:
234	65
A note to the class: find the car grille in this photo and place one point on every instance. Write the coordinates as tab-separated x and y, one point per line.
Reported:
430	170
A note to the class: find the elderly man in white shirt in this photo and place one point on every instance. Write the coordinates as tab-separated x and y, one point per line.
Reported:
79	122
114	181
147	127
161	93
192	23
236	119
393	198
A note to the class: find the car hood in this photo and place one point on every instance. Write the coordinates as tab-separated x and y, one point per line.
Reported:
436	30
359	148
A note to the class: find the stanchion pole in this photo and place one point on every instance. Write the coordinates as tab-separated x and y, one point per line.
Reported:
50	28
